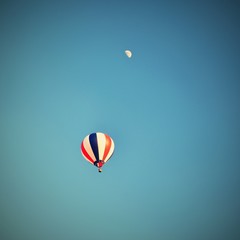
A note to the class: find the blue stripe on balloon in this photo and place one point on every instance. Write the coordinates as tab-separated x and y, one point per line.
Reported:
94	144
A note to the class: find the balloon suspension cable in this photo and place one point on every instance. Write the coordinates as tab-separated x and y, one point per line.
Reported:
99	170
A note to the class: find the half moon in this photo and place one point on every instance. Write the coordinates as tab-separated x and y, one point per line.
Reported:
128	53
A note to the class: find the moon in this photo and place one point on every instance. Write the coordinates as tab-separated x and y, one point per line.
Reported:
128	53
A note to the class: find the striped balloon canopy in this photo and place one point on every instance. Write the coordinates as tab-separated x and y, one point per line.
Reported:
97	148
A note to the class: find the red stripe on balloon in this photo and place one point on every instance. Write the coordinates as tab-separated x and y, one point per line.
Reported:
107	146
86	154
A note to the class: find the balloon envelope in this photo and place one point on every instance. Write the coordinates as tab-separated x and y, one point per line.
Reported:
97	148
128	53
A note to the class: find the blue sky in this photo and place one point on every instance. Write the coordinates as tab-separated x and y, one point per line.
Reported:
172	111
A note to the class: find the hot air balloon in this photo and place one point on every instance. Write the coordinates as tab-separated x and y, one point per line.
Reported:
97	148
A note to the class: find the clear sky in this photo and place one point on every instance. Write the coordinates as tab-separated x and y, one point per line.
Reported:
172	111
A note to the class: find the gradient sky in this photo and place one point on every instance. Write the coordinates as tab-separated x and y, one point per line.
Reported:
172	110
